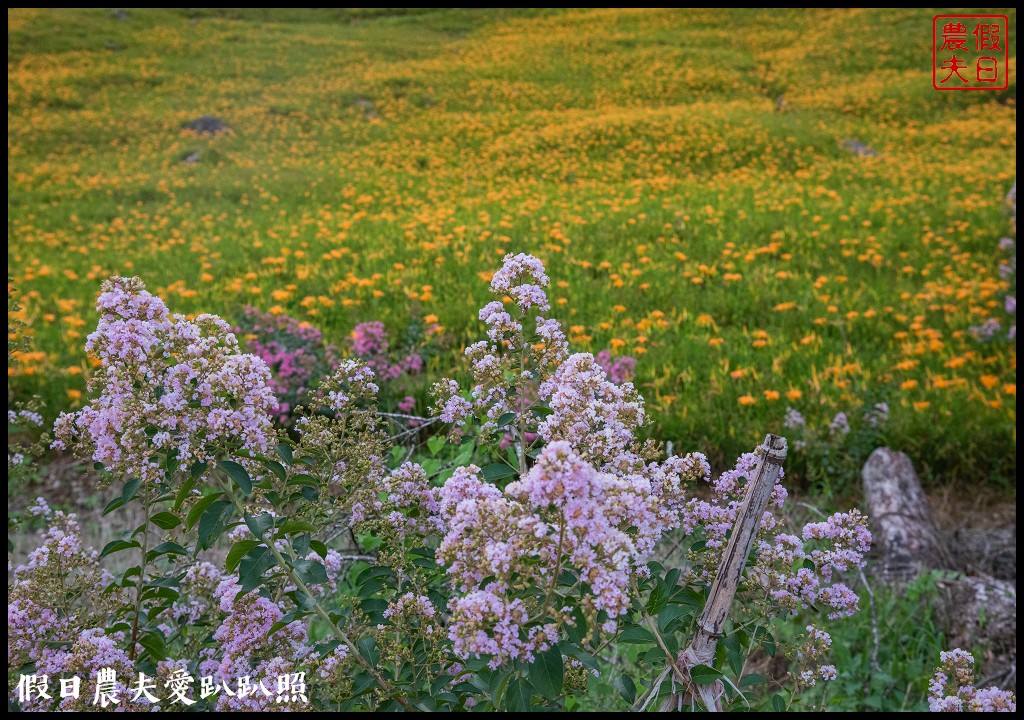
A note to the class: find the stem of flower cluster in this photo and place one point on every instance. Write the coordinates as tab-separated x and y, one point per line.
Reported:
558	566
683	677
140	585
521	447
319	610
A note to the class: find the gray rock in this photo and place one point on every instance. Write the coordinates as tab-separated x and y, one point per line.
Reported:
983	551
859	149
904	534
207	125
368	108
974	608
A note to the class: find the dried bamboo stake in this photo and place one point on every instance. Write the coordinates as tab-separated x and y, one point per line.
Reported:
701	650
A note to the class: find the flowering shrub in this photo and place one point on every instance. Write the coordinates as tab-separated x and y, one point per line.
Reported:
395	365
619	369
952	689
483	576
295	353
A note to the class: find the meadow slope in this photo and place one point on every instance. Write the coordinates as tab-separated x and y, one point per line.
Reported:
683	175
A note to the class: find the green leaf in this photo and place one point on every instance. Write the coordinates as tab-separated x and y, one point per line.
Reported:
518	694
371	588
166	520
733	652
213	523
154	644
252	566
465	454
435	444
368	649
160	593
506	419
635	634
295	526
497	471
169	581
659	598
197	469
397	453
751	679
672	616
687	596
183	492
547	672
238	474
117	546
319	548
199	508
259	524
704	674
130	488
304	479
113	505
167	548
276	468
374	571
238	551
284	451
778	704
626	688
311	572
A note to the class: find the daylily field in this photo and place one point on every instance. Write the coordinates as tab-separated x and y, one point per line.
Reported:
687	177
425	351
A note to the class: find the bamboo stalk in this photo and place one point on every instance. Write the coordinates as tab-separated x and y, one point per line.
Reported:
701	650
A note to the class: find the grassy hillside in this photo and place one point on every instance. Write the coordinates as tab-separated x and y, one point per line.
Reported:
684	175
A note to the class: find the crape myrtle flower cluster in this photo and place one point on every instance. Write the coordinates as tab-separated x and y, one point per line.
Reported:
39	613
815	647
562	515
509	365
792	572
593	502
952	688
294	351
166	385
517	567
64	639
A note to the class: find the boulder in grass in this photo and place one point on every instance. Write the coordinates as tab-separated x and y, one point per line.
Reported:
368	107
859	149
974	608
904	535
208	125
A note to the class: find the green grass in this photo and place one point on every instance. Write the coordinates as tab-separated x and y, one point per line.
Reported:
609	143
